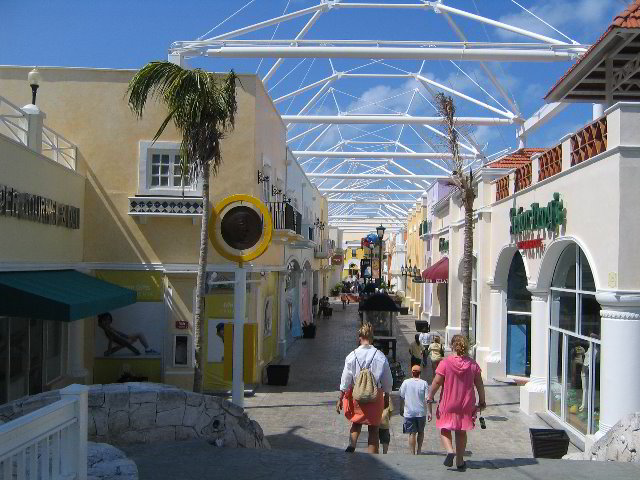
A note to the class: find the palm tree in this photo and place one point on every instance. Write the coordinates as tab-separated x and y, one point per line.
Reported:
464	183
202	107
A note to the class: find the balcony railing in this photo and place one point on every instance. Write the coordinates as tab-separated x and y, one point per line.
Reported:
13	124
589	142
285	217
324	248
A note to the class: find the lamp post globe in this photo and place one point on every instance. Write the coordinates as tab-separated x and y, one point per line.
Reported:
34	78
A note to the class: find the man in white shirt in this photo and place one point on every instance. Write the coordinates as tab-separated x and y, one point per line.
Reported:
414	391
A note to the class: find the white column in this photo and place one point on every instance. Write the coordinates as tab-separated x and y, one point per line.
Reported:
34	121
239	312
597	110
619	360
495	361
532	395
77	369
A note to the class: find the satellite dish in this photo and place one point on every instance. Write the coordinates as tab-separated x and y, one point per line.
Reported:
240	228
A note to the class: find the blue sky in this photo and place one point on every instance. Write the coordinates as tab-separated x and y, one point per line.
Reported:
127	34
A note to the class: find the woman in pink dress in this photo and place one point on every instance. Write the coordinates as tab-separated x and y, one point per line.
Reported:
457	375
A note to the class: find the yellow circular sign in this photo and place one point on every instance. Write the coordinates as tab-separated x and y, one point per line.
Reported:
239	203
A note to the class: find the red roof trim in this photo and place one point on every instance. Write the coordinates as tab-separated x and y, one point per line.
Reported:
515	159
629	18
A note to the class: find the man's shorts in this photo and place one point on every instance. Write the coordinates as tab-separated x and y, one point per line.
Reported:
414	424
385	436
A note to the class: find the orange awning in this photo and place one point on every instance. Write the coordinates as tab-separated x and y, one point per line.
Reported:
438	272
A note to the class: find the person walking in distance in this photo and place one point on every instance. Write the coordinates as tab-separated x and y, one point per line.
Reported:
414	392
457	374
436	353
383	430
415	350
364	389
314	305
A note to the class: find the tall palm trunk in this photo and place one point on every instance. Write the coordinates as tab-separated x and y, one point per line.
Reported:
201	279
467	261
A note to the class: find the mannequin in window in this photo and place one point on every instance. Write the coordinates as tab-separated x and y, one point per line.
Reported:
577	361
584	374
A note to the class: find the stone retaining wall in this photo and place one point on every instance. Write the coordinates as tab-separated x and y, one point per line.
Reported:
123	413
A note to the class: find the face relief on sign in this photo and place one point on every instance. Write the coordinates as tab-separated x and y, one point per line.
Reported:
537	217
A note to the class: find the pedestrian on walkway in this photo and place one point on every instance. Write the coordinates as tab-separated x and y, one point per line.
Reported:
425	340
436	353
383	430
415	350
457	374
314	305
414	391
369	413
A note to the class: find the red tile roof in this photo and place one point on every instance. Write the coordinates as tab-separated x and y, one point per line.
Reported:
515	159
629	18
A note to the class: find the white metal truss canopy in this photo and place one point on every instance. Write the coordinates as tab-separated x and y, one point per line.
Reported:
416	155
390	119
374	156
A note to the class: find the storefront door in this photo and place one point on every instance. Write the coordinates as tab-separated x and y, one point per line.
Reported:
518	320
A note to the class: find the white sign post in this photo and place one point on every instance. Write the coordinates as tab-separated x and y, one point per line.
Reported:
239	311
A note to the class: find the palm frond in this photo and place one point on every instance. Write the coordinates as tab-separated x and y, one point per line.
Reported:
201	105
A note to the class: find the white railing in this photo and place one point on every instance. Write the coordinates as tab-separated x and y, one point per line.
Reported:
58	148
14	124
50	443
12	121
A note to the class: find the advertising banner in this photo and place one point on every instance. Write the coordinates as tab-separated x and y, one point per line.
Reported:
365	268
138	329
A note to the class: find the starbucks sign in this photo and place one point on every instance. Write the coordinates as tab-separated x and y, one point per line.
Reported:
537	217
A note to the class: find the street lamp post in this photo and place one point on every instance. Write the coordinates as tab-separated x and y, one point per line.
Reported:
380	231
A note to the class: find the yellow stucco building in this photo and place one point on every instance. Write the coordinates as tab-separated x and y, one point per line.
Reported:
139	229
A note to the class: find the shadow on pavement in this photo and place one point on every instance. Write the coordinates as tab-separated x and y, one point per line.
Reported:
497	463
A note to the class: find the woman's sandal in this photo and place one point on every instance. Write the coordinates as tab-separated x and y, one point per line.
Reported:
463	467
350	449
448	461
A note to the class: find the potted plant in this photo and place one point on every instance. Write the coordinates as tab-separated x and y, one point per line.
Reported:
308	330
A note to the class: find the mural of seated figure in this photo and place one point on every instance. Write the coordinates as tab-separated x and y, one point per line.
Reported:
119	340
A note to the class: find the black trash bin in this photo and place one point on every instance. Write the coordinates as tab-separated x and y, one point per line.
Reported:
548	442
277	374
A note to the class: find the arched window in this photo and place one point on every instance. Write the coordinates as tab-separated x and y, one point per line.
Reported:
518	319
574	343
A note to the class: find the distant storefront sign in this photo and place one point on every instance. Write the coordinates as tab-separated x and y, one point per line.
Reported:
37	208
537	217
336	260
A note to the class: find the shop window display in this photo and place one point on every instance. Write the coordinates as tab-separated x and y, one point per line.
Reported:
575	335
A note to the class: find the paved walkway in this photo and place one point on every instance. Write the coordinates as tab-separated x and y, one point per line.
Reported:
308	437
302	415
197	460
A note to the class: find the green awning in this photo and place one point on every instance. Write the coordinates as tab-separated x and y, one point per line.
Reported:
63	295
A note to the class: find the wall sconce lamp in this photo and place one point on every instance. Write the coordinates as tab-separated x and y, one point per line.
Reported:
275	191
262	177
